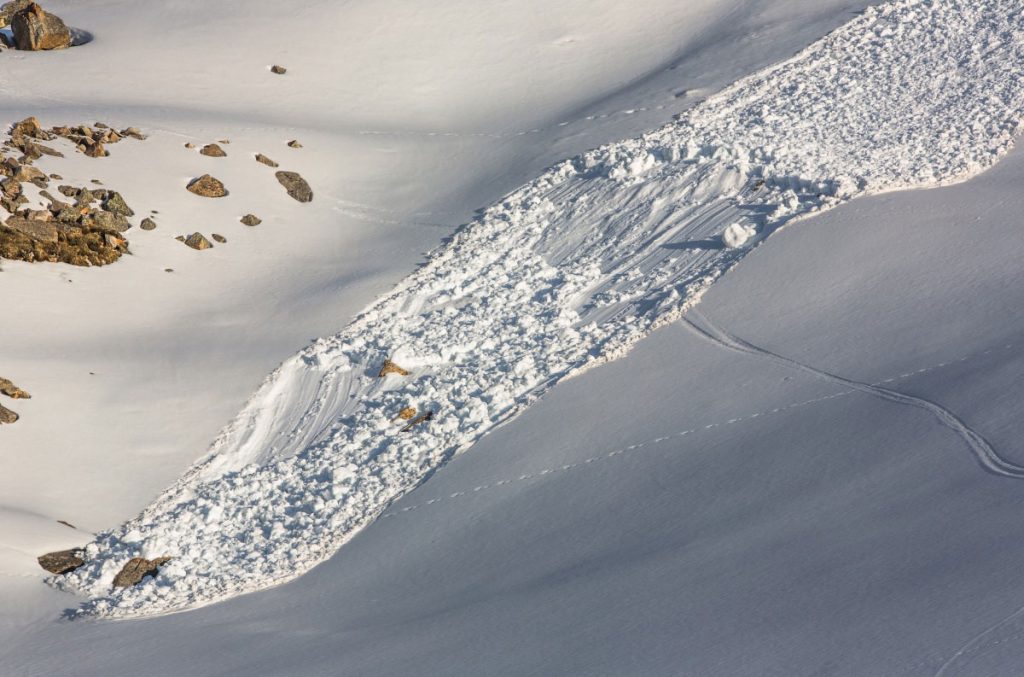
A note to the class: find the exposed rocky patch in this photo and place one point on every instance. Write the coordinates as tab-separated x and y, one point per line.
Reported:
295	185
61	562
207	186
137	569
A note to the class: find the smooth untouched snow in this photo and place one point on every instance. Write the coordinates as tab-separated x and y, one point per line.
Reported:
563	274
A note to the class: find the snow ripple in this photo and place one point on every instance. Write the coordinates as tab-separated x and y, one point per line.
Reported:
563	274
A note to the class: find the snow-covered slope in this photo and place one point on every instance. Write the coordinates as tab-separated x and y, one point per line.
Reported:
561	275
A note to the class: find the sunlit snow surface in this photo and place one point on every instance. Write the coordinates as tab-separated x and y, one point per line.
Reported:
568	271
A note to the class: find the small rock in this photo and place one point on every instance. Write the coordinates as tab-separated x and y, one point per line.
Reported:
212	150
198	241
280	70
96	150
13	391
35	30
295	185
61	562
390	367
260	157
251	220
407	413
6	415
190	145
56	177
294	143
219	238
148	224
137	569
207	186
422	418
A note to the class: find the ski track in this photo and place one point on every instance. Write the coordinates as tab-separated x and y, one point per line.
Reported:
987	457
647	444
563	274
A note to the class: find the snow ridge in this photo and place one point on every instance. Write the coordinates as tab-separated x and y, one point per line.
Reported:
565	273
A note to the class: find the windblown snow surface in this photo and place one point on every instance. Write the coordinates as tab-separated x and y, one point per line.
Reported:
563	274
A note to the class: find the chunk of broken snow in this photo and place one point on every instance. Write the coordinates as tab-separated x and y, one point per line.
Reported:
737	235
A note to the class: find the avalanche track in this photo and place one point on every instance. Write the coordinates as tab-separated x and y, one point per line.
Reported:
563	274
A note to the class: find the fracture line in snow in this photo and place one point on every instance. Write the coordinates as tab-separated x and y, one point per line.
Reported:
536	474
566	273
986	455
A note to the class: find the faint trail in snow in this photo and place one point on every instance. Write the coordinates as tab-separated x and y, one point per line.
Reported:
986	456
977	643
537	474
566	273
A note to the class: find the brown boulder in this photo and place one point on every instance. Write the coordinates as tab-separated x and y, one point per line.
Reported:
198	241
13	391
261	158
9	9
148	224
251	220
212	150
36	30
295	185
207	186
137	569
61	562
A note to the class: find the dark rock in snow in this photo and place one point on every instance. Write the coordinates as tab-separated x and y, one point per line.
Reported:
148	224
7	416
251	220
279	70
295	185
137	569
198	241
212	150
207	186
61	562
260	157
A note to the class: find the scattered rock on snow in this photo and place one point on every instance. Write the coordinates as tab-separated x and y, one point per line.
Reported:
260	157
407	413
116	204
279	70
13	391
36	30
7	416
212	150
251	220
61	562
422	418
295	185
207	186
294	143
390	367
137	569
198	241
148	224
219	238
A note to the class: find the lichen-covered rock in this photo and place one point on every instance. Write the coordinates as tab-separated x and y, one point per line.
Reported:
137	569
295	185
61	562
207	186
116	204
36	30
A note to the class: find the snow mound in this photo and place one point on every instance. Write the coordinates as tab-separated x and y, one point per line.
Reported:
736	235
563	274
